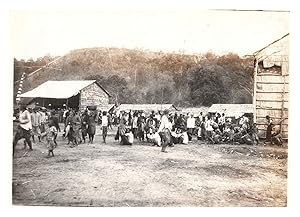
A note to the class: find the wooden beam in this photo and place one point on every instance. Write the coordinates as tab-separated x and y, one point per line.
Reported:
270	117
282	105
272	92
254	89
273	123
266	108
269	74
264	82
269	100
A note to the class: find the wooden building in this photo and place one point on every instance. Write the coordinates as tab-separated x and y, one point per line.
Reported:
73	94
271	86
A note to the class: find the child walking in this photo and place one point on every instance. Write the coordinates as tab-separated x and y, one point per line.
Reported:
50	134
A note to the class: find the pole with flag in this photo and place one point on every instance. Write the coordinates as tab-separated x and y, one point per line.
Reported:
18	99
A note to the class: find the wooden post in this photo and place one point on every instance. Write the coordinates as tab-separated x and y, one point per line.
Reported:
282	104
254	90
79	104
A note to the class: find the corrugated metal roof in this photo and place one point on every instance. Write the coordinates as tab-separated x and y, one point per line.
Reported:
58	89
145	107
232	110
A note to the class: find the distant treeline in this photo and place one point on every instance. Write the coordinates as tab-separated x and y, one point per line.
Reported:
137	76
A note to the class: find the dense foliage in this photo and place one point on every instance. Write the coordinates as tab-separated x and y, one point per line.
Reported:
136	76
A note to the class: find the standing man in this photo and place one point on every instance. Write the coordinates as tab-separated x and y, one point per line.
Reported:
24	128
92	125
164	130
43	119
65	114
36	124
54	122
190	123
84	124
76	125
208	129
104	126
135	125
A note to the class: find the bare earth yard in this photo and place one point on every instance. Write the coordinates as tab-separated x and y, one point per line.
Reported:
197	174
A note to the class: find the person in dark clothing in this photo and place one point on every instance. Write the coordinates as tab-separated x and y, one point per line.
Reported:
175	119
109	120
92	126
164	131
84	124
269	128
181	123
253	131
55	123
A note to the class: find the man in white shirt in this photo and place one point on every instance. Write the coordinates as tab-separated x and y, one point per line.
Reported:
208	128
104	124
36	124
164	131
65	115
43	119
190	124
129	136
24	128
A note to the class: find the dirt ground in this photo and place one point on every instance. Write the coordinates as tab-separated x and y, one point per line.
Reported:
111	175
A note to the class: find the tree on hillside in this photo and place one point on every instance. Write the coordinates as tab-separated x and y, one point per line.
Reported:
116	86
136	76
213	81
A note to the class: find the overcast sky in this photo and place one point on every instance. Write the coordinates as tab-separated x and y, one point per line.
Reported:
36	33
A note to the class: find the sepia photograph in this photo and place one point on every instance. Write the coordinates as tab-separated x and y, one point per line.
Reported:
150	107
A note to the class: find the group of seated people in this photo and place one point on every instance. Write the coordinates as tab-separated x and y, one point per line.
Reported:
138	126
213	129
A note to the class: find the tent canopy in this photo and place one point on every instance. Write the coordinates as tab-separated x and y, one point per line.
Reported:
195	110
232	110
145	107
57	89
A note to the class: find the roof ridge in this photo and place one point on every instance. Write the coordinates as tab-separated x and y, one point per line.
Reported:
256	52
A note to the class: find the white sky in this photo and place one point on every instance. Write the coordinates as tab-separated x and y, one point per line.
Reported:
36	33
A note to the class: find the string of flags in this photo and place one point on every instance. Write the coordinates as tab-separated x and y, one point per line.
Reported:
18	98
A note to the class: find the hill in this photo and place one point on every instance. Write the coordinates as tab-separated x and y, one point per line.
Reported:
141	76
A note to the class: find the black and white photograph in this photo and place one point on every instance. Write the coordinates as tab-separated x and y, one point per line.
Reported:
150	107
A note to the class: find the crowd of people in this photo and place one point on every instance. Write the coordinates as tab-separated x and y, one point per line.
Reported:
182	128
161	128
211	128
36	123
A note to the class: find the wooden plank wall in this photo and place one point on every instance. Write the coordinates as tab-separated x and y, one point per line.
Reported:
272	92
